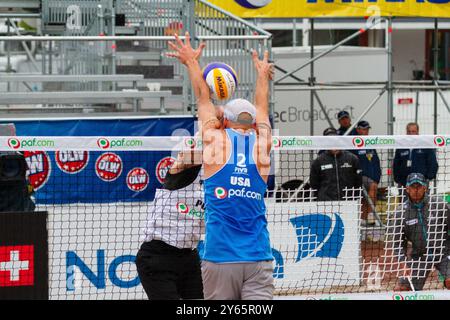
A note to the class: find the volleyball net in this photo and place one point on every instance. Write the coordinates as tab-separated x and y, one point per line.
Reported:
331	234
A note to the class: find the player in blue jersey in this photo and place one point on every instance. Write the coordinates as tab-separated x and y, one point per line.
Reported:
237	258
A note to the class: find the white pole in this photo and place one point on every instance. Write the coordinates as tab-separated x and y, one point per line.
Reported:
305	40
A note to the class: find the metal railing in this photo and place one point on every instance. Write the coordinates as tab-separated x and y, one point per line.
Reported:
87	42
215	25
78	18
151	17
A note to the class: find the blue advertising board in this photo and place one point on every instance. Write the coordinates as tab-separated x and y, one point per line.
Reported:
95	177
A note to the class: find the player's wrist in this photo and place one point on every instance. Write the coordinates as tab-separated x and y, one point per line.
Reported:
263	76
191	62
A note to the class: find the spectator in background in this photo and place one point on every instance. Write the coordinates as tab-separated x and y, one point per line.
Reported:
421	161
423	221
345	123
371	170
333	171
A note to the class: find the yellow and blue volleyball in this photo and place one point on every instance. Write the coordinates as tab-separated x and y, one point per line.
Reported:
221	79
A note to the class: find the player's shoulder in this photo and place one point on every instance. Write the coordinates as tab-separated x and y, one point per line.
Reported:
213	135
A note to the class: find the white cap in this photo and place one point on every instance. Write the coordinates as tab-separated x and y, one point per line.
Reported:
235	107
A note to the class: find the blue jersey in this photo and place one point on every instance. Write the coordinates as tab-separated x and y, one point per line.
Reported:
235	214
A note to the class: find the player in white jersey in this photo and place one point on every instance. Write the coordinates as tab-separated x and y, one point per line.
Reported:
168	262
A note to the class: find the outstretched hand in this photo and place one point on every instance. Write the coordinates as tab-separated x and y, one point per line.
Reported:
184	51
263	67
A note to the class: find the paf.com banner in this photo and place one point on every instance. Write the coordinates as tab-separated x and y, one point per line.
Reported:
96	160
335	8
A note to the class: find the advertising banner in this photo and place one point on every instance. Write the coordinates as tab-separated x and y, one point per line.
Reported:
97	261
74	174
335	8
167	143
314	244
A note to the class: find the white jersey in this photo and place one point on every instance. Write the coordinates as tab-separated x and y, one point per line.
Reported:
176	217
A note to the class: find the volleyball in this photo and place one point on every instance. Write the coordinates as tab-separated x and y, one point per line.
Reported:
221	79
253	4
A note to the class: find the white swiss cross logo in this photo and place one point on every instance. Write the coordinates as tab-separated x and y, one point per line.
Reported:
16	266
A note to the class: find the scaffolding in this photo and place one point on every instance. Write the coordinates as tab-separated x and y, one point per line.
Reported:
389	87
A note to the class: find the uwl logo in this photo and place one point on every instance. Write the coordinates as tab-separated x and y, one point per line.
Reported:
318	235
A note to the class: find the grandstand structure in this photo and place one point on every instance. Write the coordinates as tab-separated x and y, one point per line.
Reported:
138	48
68	40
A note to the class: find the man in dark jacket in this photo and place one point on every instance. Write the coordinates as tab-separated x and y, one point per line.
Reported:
333	171
345	123
371	169
414	160
424	222
15	189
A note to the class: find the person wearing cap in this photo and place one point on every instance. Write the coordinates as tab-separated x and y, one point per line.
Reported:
371	170
345	123
333	171
423	221
414	160
237	260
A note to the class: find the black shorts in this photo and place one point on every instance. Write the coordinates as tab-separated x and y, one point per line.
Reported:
169	273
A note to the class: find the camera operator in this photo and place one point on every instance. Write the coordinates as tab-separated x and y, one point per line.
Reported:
15	191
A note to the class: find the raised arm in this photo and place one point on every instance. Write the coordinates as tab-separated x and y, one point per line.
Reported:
189	57
264	71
